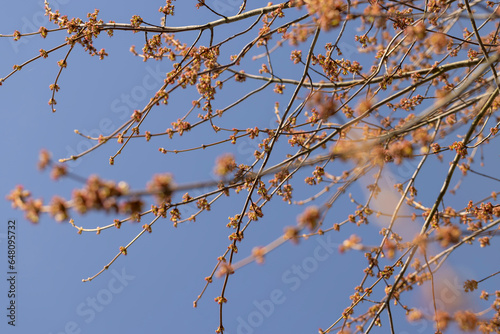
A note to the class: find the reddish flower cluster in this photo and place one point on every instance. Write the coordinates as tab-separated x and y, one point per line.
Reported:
224	165
310	218
161	187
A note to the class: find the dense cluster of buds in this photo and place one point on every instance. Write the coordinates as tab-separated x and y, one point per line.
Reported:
224	165
310	218
161	186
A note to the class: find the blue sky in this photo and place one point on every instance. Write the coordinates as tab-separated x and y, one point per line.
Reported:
297	290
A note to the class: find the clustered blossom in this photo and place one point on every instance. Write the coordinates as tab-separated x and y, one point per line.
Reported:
161	187
59	209
21	199
132	207
485	212
327	12
97	195
466	320
58	171
324	105
310	218
354	242
291	233
447	235
168	9
258	253
400	150
255	212
460	148
43	159
203	204
224	165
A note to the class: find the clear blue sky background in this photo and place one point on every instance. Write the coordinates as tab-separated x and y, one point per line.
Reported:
151	290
